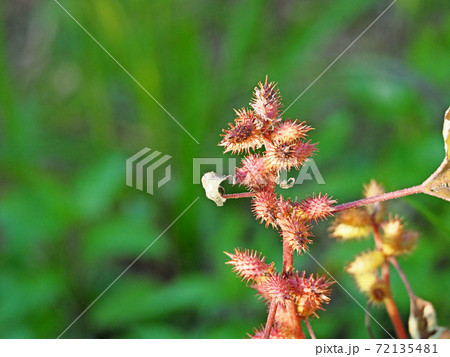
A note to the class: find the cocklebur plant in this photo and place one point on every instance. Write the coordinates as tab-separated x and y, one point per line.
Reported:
371	269
269	145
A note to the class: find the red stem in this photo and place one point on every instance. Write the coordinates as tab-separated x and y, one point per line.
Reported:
389	302
238	195
402	275
349	205
270	319
296	326
379	245
392	310
376	235
310	330
288	257
383	197
288	266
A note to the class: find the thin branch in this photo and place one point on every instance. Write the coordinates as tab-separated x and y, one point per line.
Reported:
238	195
379	245
402	275
270	319
296	326
392	310
380	198
310	330
288	257
391	306
288	266
377	235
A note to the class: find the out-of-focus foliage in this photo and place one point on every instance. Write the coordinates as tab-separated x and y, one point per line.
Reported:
70	116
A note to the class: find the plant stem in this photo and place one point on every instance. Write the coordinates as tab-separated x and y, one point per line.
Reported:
270	319
402	275
296	326
383	197
389	301
349	205
288	266
238	195
310	330
379	245
377	235
392	310
288	257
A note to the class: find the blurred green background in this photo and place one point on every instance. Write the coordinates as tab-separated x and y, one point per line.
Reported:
70	117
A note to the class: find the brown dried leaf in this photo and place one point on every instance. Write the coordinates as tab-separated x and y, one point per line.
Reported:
438	184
